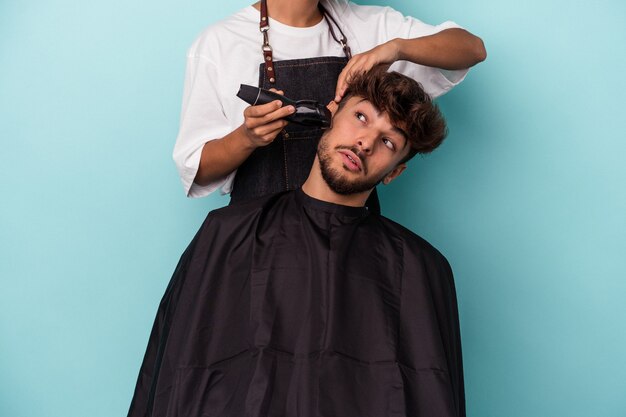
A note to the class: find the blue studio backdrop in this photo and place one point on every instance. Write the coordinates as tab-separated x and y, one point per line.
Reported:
526	198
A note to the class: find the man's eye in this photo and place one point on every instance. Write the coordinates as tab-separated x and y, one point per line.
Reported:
360	116
388	143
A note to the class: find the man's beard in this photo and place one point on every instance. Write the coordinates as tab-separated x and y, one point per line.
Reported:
334	178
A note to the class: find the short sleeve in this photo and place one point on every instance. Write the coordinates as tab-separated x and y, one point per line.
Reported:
374	25
202	119
435	81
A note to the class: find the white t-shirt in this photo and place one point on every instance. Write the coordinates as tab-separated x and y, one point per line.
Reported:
228	54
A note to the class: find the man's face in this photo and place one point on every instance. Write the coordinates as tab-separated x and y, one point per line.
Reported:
361	149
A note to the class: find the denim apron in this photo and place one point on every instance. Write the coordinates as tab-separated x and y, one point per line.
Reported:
286	162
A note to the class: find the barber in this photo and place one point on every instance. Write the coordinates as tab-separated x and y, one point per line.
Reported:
306	49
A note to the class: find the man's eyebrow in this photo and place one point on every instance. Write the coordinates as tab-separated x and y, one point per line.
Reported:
394	128
403	134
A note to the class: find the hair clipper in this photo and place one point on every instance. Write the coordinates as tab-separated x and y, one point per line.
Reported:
308	112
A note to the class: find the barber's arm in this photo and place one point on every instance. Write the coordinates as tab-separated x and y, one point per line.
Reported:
450	49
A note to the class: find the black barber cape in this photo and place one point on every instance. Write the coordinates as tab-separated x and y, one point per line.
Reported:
287	306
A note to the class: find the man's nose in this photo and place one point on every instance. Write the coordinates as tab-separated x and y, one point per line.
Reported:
366	143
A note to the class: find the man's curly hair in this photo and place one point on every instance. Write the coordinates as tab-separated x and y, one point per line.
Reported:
408	106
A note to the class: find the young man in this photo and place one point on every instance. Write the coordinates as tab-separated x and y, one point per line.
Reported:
306	304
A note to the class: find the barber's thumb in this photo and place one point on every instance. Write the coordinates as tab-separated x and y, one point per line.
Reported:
332	106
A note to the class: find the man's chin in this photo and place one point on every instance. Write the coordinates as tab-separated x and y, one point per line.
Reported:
340	179
344	186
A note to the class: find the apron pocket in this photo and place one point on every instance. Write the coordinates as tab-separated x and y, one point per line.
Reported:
299	150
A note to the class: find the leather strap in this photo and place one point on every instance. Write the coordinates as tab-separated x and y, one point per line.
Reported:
264	26
343	41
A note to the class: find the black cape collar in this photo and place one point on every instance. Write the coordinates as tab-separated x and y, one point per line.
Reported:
333	208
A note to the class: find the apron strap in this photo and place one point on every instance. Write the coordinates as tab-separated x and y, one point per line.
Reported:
343	41
264	26
268	58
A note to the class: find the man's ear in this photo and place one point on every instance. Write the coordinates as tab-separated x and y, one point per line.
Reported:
394	173
332	106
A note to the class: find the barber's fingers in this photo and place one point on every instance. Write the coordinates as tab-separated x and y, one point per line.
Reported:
263	123
265	134
266	113
357	65
270	129
261	110
385	53
352	68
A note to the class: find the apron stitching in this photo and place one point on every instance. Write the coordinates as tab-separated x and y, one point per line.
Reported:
308	64
285	160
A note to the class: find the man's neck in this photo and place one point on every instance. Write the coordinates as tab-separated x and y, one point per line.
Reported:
296	13
315	186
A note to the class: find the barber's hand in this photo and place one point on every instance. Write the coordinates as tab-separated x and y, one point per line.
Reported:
386	53
263	122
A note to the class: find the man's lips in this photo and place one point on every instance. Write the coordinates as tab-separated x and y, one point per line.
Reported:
351	160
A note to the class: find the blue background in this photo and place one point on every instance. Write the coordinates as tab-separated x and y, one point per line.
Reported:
526	198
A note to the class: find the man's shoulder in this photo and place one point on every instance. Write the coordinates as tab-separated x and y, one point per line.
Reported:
411	240
248	208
